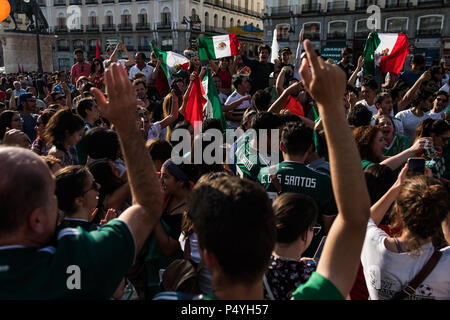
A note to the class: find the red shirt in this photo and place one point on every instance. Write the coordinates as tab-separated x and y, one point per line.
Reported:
80	69
225	77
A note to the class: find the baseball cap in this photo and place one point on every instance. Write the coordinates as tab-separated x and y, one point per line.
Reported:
285	49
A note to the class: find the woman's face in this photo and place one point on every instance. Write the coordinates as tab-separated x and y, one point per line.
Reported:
387	127
16	122
74	138
169	184
378	144
196	61
90	193
225	63
441	140
40	128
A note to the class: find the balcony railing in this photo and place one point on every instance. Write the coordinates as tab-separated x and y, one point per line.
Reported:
107	1
79	29
144	48
430	2
124	0
364	4
397	4
310	8
60	29
164	26
62	48
109	27
429	33
312	35
142	26
125	27
281	11
361	34
59	3
92	28
75	2
337	6
336	35
91	1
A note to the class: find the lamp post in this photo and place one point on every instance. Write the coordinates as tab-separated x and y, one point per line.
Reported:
194	19
38	45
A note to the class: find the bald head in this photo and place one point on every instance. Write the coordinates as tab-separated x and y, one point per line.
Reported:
26	184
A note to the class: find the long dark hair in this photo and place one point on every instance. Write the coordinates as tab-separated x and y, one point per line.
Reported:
102	69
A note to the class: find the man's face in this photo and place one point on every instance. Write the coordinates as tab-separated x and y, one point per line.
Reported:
263	55
17	86
93	112
139	60
368	93
348	58
79	57
30	105
154	60
141	91
440	103
285	57
62	77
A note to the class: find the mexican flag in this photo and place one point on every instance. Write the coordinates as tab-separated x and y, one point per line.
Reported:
171	61
195	104
218	46
212	108
387	51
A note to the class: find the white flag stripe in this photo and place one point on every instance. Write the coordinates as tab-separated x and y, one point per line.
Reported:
220	51
388	41
275	47
174	58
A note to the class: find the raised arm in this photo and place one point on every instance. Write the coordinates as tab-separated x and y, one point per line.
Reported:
167	121
213	65
279	103
426	76
120	109
341	254
130	57
235	104
187	93
280	81
352	80
398	160
113	57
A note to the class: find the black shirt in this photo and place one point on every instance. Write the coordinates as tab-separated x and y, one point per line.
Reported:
348	69
259	75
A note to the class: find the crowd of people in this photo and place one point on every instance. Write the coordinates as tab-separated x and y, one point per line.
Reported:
91	191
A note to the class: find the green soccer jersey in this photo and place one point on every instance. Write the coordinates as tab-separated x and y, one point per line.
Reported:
317	288
249	161
298	178
83	265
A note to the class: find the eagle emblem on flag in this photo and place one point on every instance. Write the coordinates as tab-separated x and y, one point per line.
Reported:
221	46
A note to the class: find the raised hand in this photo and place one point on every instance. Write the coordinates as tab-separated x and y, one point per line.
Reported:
120	108
326	83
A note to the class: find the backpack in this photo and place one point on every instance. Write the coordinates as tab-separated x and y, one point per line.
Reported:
182	274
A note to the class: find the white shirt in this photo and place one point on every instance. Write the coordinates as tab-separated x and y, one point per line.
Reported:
445	88
120	61
240	110
410	123
437	116
372	108
148	70
388	272
222	97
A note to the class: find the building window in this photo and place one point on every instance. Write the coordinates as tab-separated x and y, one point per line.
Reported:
206	19
216	18
93	20
231	22
283	32
93	45
109	19
165	17
78	44
61	21
337	30
142	17
224	22
166	44
397	25
126	18
312	30
430	25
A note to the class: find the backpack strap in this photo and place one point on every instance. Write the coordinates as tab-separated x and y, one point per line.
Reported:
410	289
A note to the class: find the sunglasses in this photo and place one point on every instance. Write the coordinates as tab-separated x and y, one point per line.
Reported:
316	229
94	186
